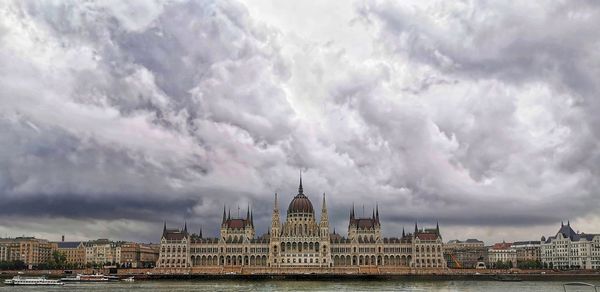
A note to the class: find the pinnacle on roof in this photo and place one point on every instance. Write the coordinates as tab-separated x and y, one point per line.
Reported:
200	234
224	218
248	213
185	227
324	205
416	229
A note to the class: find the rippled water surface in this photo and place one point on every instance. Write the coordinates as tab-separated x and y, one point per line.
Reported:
395	285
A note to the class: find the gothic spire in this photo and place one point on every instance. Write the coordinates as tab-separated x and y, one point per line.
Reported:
324	203
224	218
229	214
248	213
352	212
373	215
252	218
185	227
403	234
276	204
377	212
416	229
437	227
165	228
200	231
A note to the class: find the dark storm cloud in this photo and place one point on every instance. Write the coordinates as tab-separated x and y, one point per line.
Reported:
120	114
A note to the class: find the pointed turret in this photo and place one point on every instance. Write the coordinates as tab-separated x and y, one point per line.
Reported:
185	227
274	218
229	214
200	234
352	212
373	215
252	218
224	218
248	213
377	213
437	227
165	228
324	225
416	229
403	234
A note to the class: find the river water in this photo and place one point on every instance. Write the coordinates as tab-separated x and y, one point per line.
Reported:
392	285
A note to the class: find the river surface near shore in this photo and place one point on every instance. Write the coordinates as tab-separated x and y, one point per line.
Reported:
392	285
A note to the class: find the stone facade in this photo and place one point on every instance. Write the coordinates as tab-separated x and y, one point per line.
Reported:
465	254
527	251
138	255
300	241
571	250
101	252
30	250
503	253
74	252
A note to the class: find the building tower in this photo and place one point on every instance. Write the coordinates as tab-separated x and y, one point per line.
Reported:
324	235
275	233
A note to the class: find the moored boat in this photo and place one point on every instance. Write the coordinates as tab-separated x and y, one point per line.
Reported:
86	278
32	281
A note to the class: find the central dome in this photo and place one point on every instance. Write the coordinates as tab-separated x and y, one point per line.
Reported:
300	203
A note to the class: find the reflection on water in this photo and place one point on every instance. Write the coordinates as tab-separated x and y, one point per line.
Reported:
395	285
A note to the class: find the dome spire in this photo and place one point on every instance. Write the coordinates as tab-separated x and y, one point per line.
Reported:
300	190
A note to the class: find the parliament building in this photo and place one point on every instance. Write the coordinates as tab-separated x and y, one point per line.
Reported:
301	241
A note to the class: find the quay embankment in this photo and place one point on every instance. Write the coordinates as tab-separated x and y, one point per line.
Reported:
333	274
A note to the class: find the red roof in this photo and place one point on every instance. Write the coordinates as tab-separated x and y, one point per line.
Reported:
236	223
364	223
174	234
427	236
502	245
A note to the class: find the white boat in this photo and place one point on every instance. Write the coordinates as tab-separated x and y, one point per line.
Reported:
130	279
86	278
32	281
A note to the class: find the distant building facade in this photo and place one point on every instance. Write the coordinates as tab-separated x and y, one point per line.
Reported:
465	254
74	252
101	252
30	250
138	255
502	253
571	250
527	251
301	241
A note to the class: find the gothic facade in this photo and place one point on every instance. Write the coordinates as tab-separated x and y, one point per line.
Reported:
301	241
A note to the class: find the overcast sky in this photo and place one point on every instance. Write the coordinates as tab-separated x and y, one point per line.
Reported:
117	115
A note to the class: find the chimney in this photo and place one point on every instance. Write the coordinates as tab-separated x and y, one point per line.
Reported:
63	238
